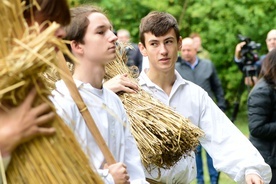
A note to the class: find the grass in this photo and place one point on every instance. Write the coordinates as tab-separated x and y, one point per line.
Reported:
241	123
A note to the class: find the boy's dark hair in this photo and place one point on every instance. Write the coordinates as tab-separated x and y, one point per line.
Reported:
268	71
158	23
52	10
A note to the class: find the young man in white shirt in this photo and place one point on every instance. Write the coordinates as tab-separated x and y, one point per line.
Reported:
92	42
231	151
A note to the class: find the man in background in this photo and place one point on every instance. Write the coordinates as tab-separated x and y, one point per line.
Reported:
203	73
270	43
201	52
134	56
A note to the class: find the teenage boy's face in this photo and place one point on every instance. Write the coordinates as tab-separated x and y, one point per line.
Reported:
161	51
99	40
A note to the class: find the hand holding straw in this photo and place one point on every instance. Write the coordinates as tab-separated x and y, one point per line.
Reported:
66	76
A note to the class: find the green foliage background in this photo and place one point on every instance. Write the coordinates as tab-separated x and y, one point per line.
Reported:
218	22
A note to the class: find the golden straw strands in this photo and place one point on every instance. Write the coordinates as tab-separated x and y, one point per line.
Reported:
56	159
162	135
25	54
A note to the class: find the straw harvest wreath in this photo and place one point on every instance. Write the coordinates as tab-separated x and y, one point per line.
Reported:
25	55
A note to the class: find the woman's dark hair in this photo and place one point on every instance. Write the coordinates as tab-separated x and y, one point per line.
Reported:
268	70
52	10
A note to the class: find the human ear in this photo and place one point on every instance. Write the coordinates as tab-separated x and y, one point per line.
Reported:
142	49
76	47
179	43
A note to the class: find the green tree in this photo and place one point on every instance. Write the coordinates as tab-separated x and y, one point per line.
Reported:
219	22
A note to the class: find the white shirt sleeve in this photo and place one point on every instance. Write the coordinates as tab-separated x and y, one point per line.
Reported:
221	136
106	176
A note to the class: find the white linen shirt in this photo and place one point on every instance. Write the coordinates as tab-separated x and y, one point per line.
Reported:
111	119
231	151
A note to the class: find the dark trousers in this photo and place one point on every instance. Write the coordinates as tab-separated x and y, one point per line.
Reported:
214	175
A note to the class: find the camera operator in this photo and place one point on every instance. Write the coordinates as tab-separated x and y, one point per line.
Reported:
270	42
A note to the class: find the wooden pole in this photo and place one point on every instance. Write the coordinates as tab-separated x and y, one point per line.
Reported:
66	76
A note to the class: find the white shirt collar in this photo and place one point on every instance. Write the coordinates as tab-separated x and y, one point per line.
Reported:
146	81
85	86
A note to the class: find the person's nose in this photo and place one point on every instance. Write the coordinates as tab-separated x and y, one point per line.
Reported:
112	37
163	49
60	33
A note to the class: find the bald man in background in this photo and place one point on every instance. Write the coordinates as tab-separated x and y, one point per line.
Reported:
203	73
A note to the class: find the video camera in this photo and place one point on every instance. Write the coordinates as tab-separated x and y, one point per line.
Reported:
250	69
249	56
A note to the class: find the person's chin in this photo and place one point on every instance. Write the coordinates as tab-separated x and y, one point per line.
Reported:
113	57
110	60
272	48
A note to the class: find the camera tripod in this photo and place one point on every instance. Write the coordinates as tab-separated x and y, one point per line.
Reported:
241	88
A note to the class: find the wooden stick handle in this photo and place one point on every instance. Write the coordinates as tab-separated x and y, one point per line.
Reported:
69	82
151	181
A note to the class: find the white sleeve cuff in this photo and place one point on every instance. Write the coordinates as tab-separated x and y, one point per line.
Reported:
107	178
6	161
237	60
252	171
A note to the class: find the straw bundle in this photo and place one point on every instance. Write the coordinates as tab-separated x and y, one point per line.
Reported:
25	55
162	135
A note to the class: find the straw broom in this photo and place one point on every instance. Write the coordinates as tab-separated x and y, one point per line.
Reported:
162	135
25	55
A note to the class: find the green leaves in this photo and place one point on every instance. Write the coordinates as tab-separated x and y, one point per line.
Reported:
218	23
